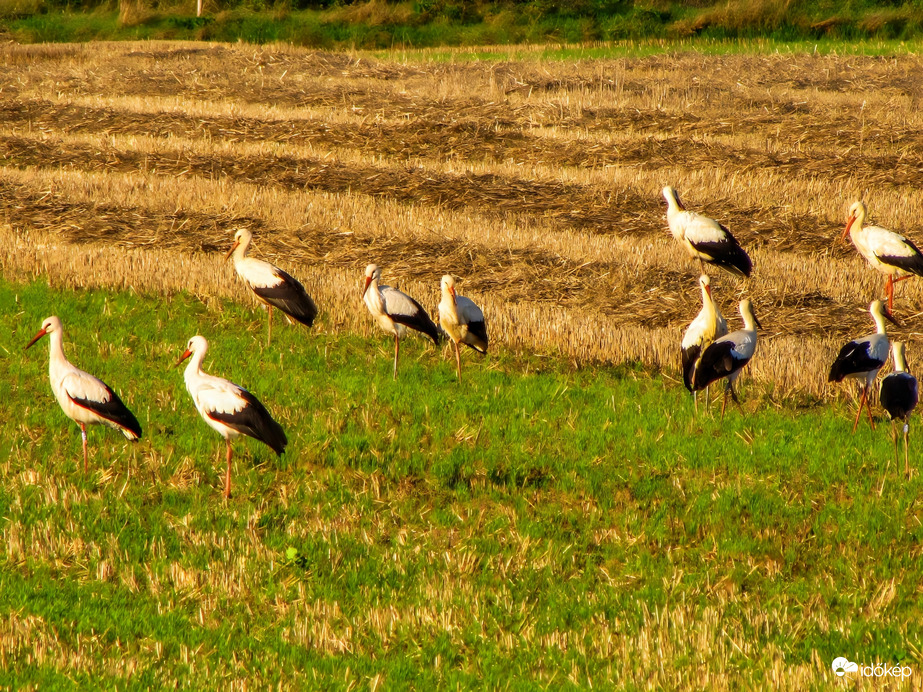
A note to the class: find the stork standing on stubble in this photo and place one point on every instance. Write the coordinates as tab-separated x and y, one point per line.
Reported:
862	358
707	326
705	239
395	311
462	320
272	286
727	356
230	410
888	252
85	399
899	395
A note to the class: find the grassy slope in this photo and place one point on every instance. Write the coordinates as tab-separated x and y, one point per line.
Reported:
538	524
383	25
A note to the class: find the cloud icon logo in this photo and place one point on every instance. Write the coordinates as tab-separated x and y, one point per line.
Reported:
842	665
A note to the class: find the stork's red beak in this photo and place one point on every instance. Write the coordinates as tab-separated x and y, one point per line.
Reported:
454	297
708	289
852	220
890	317
36	338
185	355
368	282
231	251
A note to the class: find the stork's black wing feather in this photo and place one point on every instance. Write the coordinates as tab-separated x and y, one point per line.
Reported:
854	358
113	410
290	297
254	420
727	254
479	331
717	361
690	356
899	395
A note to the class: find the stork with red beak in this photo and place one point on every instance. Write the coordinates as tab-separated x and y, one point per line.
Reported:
886	251
271	286
228	409
462	320
395	311
84	399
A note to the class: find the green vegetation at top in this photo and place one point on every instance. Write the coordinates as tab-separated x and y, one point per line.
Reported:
377	24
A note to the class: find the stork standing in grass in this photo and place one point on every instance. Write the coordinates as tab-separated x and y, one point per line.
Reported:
862	358
228	409
84	399
395	311
705	239
899	396
707	326
727	356
888	252
462	320
272	286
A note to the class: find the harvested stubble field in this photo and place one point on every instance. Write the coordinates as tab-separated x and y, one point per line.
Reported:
537	183
705	556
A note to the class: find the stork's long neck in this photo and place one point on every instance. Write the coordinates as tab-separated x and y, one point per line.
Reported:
373	294
900	365
194	368
56	357
879	322
448	300
749	320
243	247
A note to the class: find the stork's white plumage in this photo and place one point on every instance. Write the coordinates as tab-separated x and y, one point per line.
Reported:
888	252
899	396
462	320
85	399
228	409
272	286
862	358
395	311
707	326
705	239
727	356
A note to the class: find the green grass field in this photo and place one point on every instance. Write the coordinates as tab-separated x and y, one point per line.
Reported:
539	527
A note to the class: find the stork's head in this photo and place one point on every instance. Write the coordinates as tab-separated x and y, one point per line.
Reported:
196	344
51	324
372	273
880	312
746	311
672	197
857	212
705	284
242	237
448	285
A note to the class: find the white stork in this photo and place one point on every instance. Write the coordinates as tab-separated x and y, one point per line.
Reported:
887	251
229	410
899	396
84	399
707	326
705	239
726	356
862	358
271	285
462	320
395	311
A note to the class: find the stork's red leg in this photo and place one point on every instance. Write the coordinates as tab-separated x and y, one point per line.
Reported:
83	436
868	410
889	287
865	392
457	360
227	477
397	349
269	337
